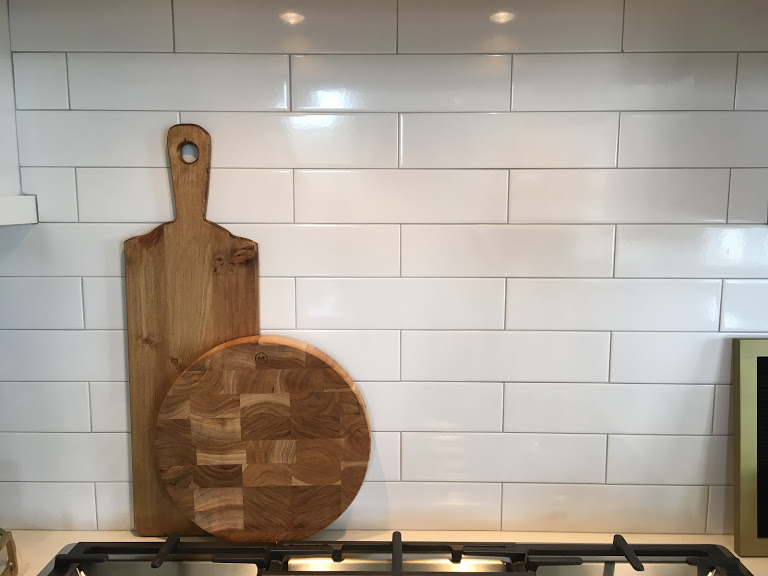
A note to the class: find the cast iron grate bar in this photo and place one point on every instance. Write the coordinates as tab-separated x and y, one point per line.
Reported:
168	547
732	566
623	546
397	554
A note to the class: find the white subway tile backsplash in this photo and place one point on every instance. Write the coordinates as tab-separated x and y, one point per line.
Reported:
70	138
44	407
308	250
41	81
695	25
51	457
55	190
744	306
604	508
104	303
571	458
91	25
658	251
613	304
250	196
281	140
462	83
434	406
723	422
720	510
238	82
752	82
333	26
124	195
511	140
608	408
78	355
40	303
509	26
693	139
680	460
512	356
623	81
384	465
110	410
617	196
48	505
408	196
277	300
423	506
400	303
748	200
481	251
114	505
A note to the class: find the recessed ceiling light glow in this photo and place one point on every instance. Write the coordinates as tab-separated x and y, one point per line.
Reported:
502	17
292	18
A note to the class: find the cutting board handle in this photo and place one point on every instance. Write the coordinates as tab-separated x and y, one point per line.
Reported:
190	179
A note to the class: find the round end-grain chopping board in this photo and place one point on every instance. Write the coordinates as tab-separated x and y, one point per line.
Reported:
263	438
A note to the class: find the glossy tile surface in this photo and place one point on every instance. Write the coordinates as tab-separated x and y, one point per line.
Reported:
748	201
124	195
48	505
401	83
752	82
519	140
114	505
723	422
44	407
744	306
40	303
250	196
511	356
110	410
608	408
384	465
55	191
509	26
408	196
623	81
720	510
692	251
277	302
481	251
475	457
104	303
400	303
41	81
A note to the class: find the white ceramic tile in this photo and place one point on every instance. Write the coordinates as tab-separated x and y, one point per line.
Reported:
613	304
104	303
307	250
277	300
304	26
571	458
418	196
110	410
42	303
681	460
752	83
401	83
47	506
744	306
55	191
40	81
691	251
400	303
59	138
693	139
601	508
512	356
70	457
91	26
695	25
65	249
672	357
720	510
114	505
69	355
124	195
608	408
434	406
509	26
385	457
723	422
165	81
250	196
44	407
509	140
365	355
479	251
748	201
611	196
285	140
423	506
623	81
17	209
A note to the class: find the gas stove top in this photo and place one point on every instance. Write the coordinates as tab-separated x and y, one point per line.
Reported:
204	557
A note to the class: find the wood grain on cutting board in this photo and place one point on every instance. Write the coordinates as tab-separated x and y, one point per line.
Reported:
190	285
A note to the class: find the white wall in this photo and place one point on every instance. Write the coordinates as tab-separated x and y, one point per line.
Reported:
537	298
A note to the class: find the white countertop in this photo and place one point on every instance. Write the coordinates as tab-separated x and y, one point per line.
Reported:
37	547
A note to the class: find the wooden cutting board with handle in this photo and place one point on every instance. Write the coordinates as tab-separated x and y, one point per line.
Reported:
263	438
190	285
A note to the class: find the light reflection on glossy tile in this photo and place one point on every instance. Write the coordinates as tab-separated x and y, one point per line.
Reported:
752	85
744	307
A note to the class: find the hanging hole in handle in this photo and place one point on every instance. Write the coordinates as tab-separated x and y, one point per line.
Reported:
189	152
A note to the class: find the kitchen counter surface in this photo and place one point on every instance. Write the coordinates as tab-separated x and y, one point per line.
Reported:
37	547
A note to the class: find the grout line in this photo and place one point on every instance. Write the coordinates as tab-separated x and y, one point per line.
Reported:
90	408
400	471
736	81
618	143
82	301
728	196
605	476
397	26
610	353
289	99
400	358
511	81
173	27
623	20
706	516
293	193
77	196
501	507
66	71
714	402
720	308
504	300
295	303
503	402
95	506
509	194
669	53
399	140
400	251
